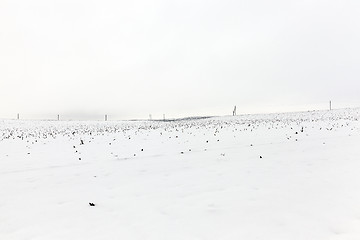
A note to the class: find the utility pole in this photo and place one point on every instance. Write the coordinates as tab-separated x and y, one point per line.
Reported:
105	117
58	117
234	111
18	116
330	105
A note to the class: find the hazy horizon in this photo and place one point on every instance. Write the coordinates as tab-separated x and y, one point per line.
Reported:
88	116
189	58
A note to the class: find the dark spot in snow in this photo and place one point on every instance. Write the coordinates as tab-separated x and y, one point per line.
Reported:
92	204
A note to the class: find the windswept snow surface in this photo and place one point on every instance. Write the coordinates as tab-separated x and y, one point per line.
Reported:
276	176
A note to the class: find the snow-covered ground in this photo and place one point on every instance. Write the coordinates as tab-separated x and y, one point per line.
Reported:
276	176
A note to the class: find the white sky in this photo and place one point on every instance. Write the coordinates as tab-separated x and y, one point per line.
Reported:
133	58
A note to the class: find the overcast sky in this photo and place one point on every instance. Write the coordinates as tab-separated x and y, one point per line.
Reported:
182	58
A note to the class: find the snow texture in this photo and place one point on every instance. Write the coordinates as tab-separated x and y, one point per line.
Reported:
276	176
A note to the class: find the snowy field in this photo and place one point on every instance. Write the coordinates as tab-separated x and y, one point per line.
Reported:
266	177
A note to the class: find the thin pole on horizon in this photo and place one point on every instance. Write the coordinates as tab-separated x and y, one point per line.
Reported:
58	117
106	117
18	116
330	105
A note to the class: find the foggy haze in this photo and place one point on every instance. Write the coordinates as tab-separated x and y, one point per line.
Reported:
130	59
